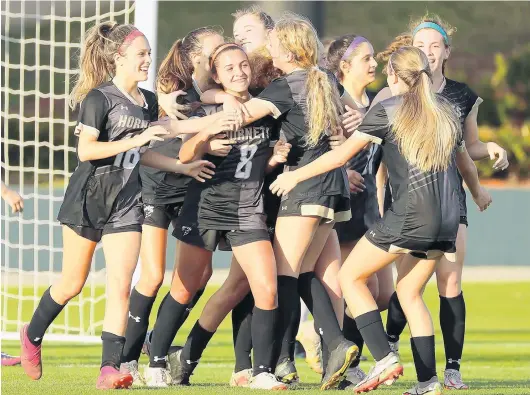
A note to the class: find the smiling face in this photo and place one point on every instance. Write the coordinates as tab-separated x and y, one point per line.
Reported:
250	32
361	67
232	71
433	46
133	63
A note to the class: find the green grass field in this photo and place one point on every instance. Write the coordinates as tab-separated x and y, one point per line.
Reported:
496	356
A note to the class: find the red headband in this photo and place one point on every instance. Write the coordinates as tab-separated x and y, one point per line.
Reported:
221	48
130	38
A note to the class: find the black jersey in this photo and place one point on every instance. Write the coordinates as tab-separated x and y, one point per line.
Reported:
288	96
364	205
425	204
160	187
99	188
464	99
233	198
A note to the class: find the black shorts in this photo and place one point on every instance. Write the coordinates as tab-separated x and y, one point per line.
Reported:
125	220
96	234
423	249
332	208
364	213
209	239
161	215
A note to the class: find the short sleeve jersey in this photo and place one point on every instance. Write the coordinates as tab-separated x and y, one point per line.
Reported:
464	100
424	203
288	95
233	198
158	186
110	115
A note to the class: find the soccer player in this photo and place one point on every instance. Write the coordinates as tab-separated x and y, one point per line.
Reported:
423	219
228	209
307	102
351	59
102	201
433	36
185	71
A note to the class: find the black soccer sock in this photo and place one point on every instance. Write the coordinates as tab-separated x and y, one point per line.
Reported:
289	336
371	327
317	300
242	333
396	320
264	340
289	307
112	350
169	321
193	302
195	344
352	333
161	304
47	310
139	309
424	357
453	325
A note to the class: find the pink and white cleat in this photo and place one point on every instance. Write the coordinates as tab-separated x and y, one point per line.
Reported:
111	379
9	360
30	355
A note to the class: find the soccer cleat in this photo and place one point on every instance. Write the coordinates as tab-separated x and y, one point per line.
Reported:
453	380
339	361
110	378
310	341
286	373
157	377
180	371
266	381
241	378
353	377
9	360
132	369
30	355
389	368
431	387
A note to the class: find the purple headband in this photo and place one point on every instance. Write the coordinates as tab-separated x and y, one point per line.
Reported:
354	44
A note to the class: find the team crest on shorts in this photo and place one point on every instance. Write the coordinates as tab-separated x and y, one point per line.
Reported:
186	230
148	210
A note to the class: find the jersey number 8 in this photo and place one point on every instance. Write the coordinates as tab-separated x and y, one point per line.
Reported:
244	167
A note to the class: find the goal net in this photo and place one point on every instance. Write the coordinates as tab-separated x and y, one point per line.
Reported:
40	45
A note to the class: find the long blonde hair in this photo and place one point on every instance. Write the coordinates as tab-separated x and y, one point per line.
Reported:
96	63
298	36
426	126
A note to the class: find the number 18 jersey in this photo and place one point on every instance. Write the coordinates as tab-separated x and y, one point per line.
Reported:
105	190
233	198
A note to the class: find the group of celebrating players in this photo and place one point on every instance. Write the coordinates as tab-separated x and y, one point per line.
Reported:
284	158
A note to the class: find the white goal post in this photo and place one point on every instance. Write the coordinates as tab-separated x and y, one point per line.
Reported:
40	42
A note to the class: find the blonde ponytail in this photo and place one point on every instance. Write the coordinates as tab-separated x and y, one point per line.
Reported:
426	126
298	36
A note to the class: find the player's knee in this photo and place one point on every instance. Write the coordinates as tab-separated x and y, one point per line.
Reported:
67	290
150	283
182	295
449	284
408	295
265	297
